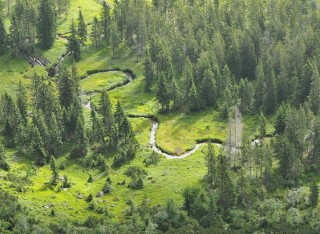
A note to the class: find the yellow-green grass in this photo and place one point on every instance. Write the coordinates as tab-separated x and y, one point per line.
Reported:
100	81
89	8
178	133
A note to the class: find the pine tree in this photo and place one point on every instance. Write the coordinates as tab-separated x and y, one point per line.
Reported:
46	24
38	148
263	126
105	17
281	119
15	37
96	32
82	29
209	89
314	194
53	167
193	97
66	88
149	72
245	95
80	142
163	93
22	103
114	38
74	44
211	166
314	97
176	94
97	129
270	101
106	112
3	163
3	36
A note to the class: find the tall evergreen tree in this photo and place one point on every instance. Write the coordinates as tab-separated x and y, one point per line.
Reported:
54	169
37	147
79	148
96	32
105	17
163	95
46	24
314	194
314	97
211	166
149	72
3	36
22	103
82	29
106	112
74	44
208	89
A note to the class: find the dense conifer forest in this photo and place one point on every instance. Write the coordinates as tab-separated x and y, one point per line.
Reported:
159	116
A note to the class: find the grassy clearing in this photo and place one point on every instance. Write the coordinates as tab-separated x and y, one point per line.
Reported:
101	81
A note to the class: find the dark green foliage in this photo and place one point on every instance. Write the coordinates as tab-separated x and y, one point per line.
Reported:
79	148
163	95
314	194
3	36
137	174
90	180
66	182
54	169
3	163
281	119
314	97
105	20
211	167
82	29
149	72
263	126
22	103
209	89
74	44
105	111
46	24
38	148
152	159
89	198
96	32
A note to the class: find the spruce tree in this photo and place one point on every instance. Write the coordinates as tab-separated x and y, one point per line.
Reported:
96	32
82	29
106	112
208	89
193	97
211	166
3	163
80	142
281	119
37	147
148	72
15	37
105	20
97	134
53	167
74	44
3	36
114	38
163	93
263	126
314	97
176	94
46	24
22	103
314	194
